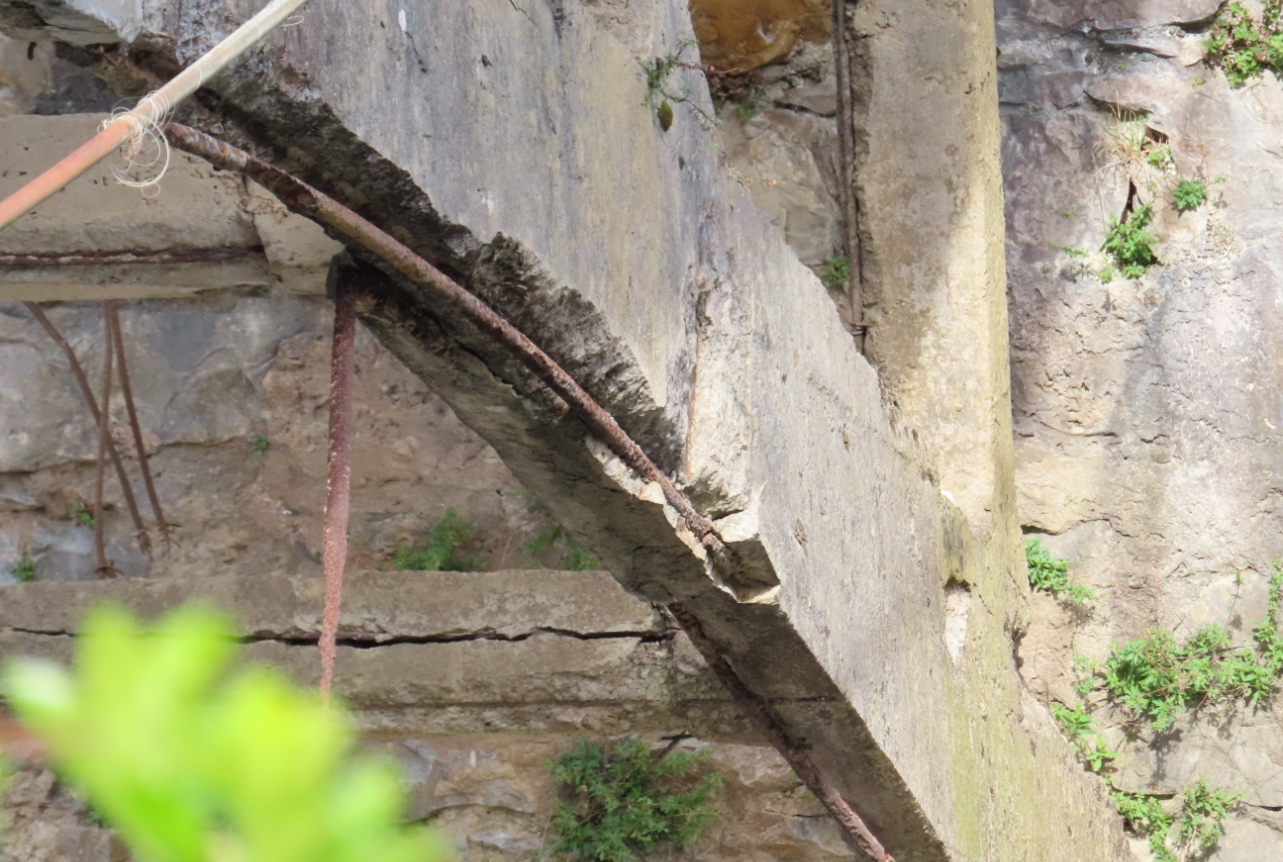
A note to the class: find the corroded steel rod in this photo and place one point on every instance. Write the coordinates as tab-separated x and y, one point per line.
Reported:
87	393
338	481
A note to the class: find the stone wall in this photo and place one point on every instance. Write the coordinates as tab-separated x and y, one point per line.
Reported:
1146	410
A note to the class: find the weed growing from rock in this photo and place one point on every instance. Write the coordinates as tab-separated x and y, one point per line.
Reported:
1077	727
1051	575
835	272
576	557
441	552
624	801
1157	679
1244	46
24	570
81	515
1197	824
1189	195
660	97
259	445
1129	245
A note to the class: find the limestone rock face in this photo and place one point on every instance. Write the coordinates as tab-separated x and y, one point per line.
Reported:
1147	410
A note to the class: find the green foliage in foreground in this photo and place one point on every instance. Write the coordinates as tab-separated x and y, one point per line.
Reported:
625	801
1243	45
1128	243
1157	679
191	763
440	554
1051	575
1197	823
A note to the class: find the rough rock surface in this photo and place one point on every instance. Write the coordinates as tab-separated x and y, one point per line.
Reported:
209	377
1147	410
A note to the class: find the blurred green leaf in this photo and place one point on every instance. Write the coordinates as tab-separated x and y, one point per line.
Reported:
192	763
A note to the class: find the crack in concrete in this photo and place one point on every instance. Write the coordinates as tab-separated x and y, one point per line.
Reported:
374	641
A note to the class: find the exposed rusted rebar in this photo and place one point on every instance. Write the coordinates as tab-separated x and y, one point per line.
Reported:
303	199
338	481
87	393
857	835
105	568
127	390
847	198
307	201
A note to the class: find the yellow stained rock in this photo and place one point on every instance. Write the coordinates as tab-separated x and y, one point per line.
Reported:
738	35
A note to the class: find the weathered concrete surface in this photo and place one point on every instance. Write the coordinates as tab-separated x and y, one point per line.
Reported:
202	230
1146	411
685	314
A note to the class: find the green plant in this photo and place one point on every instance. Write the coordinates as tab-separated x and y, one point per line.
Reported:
658	96
1051	575
1245	46
440	554
81	515
1157	679
190	760
576	557
259	445
1075	723
24	570
1198	822
835	272
624	801
1108	274
1072	252
746	110
1198	80
1189	194
1158	156
1129	244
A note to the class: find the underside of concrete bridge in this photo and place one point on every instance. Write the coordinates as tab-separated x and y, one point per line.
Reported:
872	505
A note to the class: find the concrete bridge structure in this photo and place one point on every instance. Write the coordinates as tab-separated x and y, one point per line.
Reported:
871	500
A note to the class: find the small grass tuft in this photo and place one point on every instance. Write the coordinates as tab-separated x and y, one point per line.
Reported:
1051	575
624	801
440	554
259	445
835	272
24	570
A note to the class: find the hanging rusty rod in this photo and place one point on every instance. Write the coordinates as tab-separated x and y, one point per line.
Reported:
307	201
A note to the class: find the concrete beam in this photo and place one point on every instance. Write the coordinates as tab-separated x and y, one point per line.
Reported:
75	22
96	239
508	143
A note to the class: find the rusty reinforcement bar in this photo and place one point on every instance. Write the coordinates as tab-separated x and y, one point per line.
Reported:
307	201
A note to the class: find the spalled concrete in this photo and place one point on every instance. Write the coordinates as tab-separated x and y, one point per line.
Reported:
506	142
